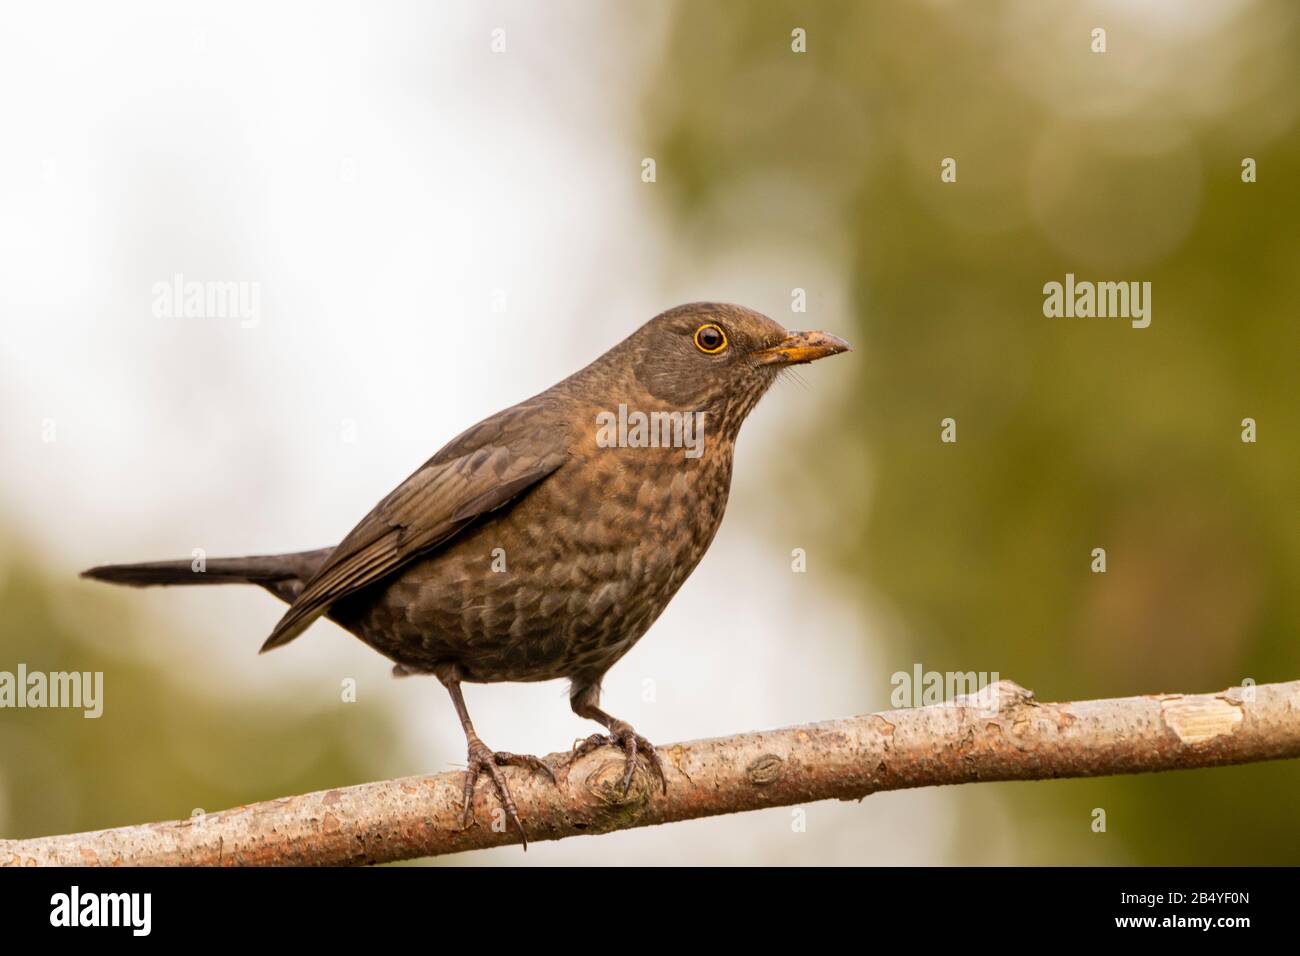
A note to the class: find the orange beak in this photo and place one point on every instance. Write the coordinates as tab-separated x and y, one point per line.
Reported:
798	348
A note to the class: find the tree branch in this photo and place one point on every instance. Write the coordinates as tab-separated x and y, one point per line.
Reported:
999	734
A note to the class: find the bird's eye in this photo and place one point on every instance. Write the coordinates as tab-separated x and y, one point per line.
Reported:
710	339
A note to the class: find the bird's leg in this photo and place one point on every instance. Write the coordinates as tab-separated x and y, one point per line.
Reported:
584	700
482	759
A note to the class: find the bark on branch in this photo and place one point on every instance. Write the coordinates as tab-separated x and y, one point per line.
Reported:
998	734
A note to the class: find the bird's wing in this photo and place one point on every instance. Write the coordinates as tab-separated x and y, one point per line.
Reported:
487	467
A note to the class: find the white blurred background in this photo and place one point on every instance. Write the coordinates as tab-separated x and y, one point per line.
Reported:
385	178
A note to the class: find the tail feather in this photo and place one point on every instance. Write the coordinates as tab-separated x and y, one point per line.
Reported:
216	571
281	574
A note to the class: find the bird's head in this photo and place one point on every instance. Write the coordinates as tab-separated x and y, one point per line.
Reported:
720	358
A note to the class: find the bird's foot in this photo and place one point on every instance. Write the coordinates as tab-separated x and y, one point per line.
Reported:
623	736
481	759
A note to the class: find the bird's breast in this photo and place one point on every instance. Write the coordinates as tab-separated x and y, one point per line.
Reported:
564	582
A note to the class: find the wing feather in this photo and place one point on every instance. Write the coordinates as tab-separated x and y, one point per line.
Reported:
486	468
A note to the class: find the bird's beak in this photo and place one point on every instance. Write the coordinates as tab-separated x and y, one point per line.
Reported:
800	347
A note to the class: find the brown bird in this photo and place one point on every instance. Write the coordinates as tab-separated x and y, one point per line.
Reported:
546	539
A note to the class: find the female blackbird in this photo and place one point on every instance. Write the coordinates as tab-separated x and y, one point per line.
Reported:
546	539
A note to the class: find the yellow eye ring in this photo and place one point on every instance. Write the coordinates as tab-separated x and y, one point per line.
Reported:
710	339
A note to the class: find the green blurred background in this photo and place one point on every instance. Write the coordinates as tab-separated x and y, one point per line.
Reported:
1073	434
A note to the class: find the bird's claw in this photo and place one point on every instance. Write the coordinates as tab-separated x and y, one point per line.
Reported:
632	743
481	759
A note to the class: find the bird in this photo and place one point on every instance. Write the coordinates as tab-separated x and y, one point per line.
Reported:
544	541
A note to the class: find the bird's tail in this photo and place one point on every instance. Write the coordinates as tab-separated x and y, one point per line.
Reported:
281	574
